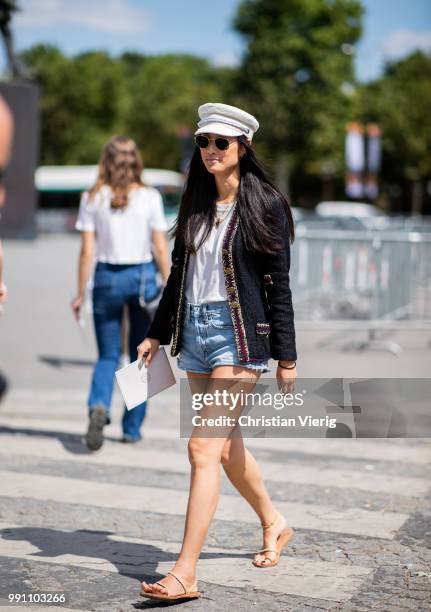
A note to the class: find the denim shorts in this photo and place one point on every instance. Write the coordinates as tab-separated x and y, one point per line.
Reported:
208	339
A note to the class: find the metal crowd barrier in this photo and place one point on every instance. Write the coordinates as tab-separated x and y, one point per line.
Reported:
366	280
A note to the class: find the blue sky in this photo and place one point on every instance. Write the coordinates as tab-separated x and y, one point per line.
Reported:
392	28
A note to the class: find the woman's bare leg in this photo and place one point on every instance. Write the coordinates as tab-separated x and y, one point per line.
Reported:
205	458
244	473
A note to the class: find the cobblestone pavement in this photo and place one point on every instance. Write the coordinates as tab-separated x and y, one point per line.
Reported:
93	525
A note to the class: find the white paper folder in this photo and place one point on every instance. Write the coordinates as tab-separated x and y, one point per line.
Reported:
138	383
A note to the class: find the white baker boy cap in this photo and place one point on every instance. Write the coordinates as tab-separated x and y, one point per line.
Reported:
226	120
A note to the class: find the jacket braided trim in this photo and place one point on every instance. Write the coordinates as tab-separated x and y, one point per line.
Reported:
232	288
263	328
180	306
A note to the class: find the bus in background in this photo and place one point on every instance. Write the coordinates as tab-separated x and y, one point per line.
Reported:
59	190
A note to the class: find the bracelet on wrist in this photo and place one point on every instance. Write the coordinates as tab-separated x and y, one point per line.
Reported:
292	367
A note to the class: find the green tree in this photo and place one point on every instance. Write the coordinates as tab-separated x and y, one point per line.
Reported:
295	77
400	103
165	92
88	98
82	103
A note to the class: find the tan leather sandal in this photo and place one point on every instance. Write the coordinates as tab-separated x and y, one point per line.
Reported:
191	593
282	539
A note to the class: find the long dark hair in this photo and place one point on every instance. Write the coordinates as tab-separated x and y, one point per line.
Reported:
255	199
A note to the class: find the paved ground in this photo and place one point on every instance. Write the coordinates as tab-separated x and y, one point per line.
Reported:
92	525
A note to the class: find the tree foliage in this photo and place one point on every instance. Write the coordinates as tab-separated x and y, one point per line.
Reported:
81	103
400	102
165	94
296	76
87	98
295	73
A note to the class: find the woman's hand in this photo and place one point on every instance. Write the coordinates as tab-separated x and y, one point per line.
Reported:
76	304
148	347
286	379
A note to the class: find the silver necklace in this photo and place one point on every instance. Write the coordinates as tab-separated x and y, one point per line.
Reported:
220	219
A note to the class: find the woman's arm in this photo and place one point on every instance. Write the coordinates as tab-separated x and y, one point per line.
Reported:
160	252
86	256
282	337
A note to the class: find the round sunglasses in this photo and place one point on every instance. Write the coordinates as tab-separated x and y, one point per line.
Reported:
221	143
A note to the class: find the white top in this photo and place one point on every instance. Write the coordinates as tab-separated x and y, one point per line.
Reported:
205	280
123	236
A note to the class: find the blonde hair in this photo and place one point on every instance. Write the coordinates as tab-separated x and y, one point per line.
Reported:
120	165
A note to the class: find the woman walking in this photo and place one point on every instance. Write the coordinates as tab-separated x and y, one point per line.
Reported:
228	305
121	222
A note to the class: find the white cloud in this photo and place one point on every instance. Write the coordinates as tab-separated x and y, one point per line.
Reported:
115	16
403	42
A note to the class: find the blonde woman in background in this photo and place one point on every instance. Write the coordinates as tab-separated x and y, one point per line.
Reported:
122	225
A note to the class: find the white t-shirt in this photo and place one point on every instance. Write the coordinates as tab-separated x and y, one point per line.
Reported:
123	236
205	281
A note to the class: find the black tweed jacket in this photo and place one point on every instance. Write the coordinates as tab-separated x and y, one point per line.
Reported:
258	292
